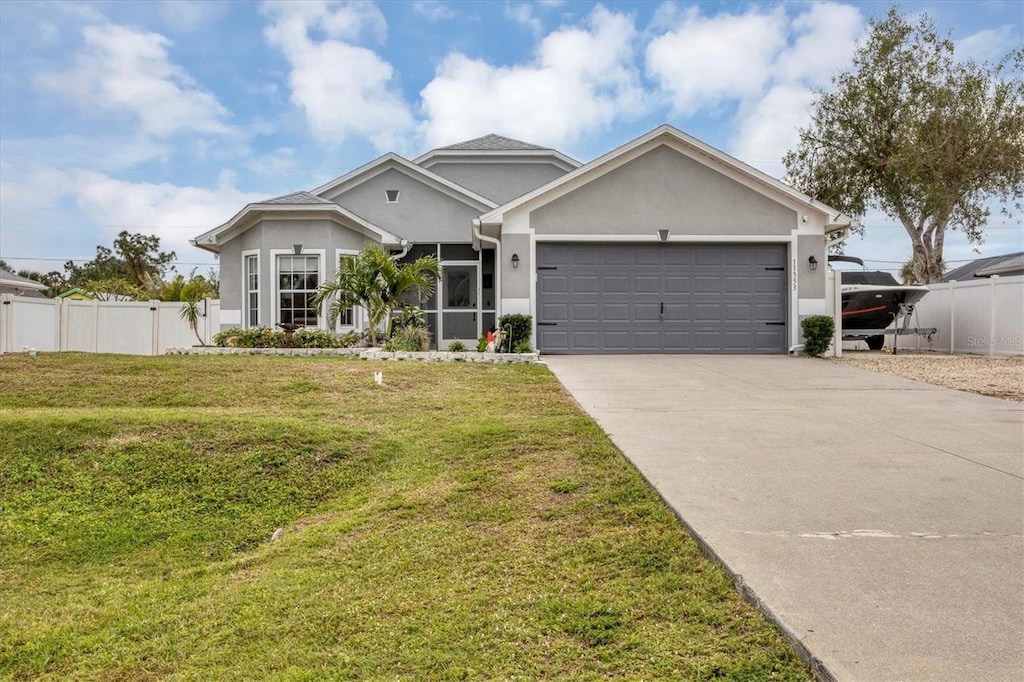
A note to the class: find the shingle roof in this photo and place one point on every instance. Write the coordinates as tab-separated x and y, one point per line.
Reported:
17	280
493	143
297	198
985	267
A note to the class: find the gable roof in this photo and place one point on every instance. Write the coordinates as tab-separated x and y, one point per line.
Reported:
75	291
392	160
607	162
1006	264
492	143
297	202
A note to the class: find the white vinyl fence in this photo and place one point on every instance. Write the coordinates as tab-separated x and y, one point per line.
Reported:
125	327
980	316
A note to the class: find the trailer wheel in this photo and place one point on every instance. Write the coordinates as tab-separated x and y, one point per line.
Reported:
875	342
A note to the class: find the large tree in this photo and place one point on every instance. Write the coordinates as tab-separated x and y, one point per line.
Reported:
135	258
912	131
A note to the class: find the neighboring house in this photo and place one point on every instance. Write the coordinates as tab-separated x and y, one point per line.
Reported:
662	245
17	285
76	294
1006	265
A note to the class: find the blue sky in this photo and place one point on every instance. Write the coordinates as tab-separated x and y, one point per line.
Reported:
167	117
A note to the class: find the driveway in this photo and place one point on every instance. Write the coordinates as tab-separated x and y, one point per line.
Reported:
879	520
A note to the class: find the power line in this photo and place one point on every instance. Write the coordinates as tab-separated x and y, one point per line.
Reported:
64	260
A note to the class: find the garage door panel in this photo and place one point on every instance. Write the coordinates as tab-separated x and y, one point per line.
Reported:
661	298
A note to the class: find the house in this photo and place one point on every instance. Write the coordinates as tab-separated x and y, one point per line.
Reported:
76	294
663	245
1007	265
17	285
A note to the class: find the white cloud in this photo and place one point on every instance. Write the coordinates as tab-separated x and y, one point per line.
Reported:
433	10
705	61
190	15
522	13
581	80
989	45
122	71
344	89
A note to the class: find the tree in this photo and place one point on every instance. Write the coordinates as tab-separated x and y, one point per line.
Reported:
374	280
917	134
135	258
192	312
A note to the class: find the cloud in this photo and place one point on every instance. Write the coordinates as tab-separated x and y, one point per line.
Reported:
706	61
432	10
125	72
580	80
989	45
344	89
522	13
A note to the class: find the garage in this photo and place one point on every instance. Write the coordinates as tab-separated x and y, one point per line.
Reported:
661	298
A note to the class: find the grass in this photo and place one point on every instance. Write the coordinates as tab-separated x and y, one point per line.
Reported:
459	521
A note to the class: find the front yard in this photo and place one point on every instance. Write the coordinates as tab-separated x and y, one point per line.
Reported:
458	521
999	377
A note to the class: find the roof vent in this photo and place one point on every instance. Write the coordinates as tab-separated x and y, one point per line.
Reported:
391	196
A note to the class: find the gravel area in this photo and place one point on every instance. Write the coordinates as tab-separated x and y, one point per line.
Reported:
1000	377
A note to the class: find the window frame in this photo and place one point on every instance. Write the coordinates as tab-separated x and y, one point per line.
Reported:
247	322
275	284
357	316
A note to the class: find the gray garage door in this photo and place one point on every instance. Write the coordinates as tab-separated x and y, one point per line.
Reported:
661	298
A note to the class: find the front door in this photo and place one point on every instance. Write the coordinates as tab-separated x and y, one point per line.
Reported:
460	319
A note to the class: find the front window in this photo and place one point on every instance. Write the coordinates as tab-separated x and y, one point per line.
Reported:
298	279
252	291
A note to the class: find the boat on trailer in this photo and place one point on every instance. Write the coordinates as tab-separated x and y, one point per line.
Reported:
872	301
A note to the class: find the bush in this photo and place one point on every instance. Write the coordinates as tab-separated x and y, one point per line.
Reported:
818	332
412	339
481	344
522	328
522	346
456	347
264	337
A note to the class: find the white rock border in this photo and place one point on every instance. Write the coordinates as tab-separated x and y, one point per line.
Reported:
369	354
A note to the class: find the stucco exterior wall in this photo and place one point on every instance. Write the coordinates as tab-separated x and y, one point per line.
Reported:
499	182
664	189
515	282
422	214
281	234
811	283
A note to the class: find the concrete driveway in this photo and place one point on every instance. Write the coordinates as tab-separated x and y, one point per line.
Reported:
879	520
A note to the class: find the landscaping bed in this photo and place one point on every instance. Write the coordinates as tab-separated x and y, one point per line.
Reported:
288	517
1000	377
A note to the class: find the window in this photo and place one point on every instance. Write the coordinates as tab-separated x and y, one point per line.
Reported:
298	279
252	291
391	196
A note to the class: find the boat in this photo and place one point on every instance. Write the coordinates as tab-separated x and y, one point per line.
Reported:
871	302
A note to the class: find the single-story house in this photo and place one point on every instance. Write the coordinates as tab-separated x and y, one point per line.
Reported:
663	245
17	285
1007	265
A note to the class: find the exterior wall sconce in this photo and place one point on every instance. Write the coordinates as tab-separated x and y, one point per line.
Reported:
297	249
662	235
515	260
813	262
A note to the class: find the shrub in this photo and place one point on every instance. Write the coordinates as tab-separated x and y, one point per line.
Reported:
522	346
522	327
264	337
818	332
456	347
481	344
411	339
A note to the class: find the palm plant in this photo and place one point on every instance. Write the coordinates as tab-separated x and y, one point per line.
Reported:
374	280
191	312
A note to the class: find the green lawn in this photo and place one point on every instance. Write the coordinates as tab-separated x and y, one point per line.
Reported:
459	522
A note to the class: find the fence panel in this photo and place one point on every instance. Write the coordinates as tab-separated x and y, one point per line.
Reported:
984	316
126	327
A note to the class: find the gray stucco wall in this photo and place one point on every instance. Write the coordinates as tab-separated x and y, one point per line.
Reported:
268	234
812	284
515	282
422	214
499	182
664	189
